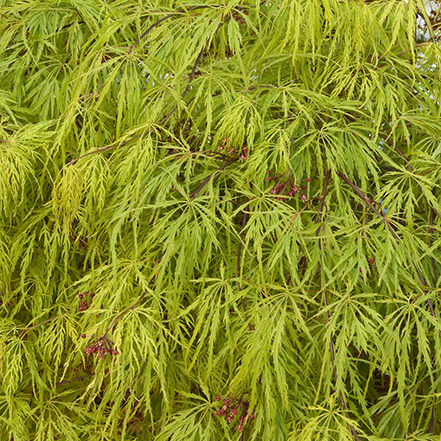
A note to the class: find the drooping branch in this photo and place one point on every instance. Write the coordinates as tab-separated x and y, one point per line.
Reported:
156	23
106	148
222	167
71	380
331	343
131	306
370	204
124	312
191	76
435	275
190	79
322	202
239	251
432	216
29	328
403	52
410	169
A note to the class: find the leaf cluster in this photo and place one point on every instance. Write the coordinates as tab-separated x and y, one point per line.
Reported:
236	200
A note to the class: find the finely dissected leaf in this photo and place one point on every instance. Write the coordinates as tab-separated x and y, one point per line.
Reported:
220	220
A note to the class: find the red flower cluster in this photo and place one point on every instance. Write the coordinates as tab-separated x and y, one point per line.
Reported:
85	300
101	348
243	155
286	187
229	410
371	263
237	17
232	151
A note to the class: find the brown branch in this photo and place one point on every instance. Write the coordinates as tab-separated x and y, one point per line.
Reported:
410	169
369	203
131	306
239	284
432	215
62	383
402	53
412	48
435	275
181	11
190	79
331	343
39	324
124	312
322	202
112	146
223	166
420	278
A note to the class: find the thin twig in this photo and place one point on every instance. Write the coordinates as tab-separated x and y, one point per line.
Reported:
181	11
435	275
39	324
124	312
322	202
62	383
370	203
191	76
402	53
239	284
112	146
223	166
331	343
432	215
190	79
383	217
410	169
131	306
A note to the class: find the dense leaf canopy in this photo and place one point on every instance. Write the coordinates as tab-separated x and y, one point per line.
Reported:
219	211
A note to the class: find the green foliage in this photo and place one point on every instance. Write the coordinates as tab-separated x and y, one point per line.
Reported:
247	198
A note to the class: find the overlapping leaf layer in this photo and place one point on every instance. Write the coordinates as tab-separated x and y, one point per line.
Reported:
219	221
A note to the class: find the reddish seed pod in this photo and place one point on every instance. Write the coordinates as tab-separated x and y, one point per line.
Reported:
218	398
303	187
309	179
251	417
83	335
80	296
